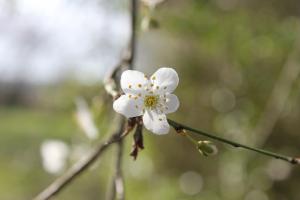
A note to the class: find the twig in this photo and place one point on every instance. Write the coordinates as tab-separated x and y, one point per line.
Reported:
128	58
78	168
133	38
119	180
117	189
177	126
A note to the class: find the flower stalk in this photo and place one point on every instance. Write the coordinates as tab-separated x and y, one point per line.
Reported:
177	126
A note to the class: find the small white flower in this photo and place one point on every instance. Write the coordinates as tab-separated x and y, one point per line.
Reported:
150	97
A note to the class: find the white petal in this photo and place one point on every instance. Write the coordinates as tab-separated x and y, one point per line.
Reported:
172	103
156	123
165	80
133	82
129	107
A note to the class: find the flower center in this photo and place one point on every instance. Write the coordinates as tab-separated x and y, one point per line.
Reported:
150	101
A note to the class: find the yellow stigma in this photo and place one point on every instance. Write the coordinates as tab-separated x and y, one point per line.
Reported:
150	101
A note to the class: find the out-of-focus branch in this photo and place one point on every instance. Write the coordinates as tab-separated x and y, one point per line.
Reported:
117	188
128	57
279	96
133	38
119	180
78	167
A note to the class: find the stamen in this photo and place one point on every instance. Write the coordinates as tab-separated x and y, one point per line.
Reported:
165	87
151	101
129	86
153	78
157	87
160	119
139	85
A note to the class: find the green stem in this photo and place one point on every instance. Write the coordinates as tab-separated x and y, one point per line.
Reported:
177	126
192	139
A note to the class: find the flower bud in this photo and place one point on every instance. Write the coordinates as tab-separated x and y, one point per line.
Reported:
206	148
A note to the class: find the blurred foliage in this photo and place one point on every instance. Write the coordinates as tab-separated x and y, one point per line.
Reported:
229	56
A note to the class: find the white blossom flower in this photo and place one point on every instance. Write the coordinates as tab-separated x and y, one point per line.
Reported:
149	97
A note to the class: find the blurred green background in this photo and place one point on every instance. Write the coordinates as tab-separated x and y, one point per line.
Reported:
238	63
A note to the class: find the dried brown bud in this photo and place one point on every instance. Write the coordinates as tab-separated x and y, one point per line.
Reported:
138	142
131	122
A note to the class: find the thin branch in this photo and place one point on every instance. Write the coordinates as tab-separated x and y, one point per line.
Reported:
128	58
133	38
111	193
78	168
177	126
116	189
119	180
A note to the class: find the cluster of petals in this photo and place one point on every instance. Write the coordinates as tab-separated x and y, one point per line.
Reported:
150	97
